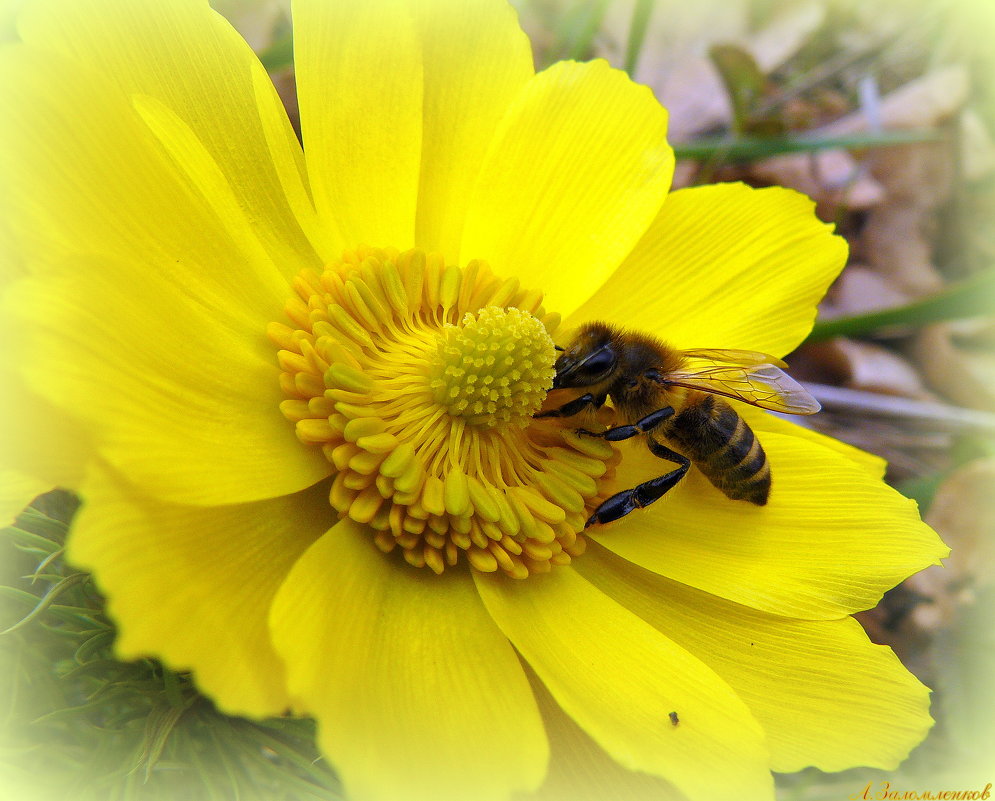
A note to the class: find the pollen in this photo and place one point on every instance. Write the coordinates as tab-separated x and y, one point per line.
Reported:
418	381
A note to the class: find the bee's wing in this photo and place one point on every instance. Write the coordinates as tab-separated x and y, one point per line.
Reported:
743	378
743	358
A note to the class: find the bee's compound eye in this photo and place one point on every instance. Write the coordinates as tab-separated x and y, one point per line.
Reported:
599	363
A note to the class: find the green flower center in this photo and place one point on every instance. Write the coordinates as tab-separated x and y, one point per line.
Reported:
494	368
418	380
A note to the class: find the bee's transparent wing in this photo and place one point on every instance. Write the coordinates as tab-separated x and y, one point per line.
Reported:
743	358
754	378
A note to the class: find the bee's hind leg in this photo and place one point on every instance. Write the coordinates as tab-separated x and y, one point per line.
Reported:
621	503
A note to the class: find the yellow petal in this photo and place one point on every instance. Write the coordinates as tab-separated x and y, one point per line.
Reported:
475	59
761	421
581	770
725	266
575	173
417	694
824	694
620	679
188	58
75	184
17	490
181	397
40	447
12	264
359	85
831	540
193	586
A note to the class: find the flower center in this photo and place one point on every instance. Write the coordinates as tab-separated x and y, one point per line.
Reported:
418	381
494	368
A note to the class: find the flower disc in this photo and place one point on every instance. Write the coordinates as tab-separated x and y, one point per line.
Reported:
418	381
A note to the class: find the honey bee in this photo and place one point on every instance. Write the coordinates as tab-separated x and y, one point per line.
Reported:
675	398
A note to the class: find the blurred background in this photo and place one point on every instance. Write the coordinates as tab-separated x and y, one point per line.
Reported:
884	114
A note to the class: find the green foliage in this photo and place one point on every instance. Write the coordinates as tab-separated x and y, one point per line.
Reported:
744	85
637	33
575	29
726	149
971	297
77	723
280	54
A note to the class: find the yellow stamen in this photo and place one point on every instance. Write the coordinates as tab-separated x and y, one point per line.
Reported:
418	380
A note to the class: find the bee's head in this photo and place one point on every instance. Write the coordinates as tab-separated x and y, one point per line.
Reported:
590	359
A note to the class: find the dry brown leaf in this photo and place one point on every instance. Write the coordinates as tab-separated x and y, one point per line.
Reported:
536	27
674	60
786	33
922	103
963	513
977	150
958	361
897	242
676	31
833	178
911	615
920	175
861	365
685	173
255	20
860	290
285	82
899	234
694	96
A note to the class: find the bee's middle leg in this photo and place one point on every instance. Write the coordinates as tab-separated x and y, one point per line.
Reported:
621	503
641	426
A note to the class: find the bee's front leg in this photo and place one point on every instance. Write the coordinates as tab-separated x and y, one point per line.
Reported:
575	406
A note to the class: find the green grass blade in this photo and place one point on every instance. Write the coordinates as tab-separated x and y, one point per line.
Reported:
577	28
280	54
748	148
48	599
637	33
968	298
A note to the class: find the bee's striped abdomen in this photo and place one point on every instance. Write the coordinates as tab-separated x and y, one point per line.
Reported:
721	444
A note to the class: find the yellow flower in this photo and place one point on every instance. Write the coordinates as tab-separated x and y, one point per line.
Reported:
294	389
